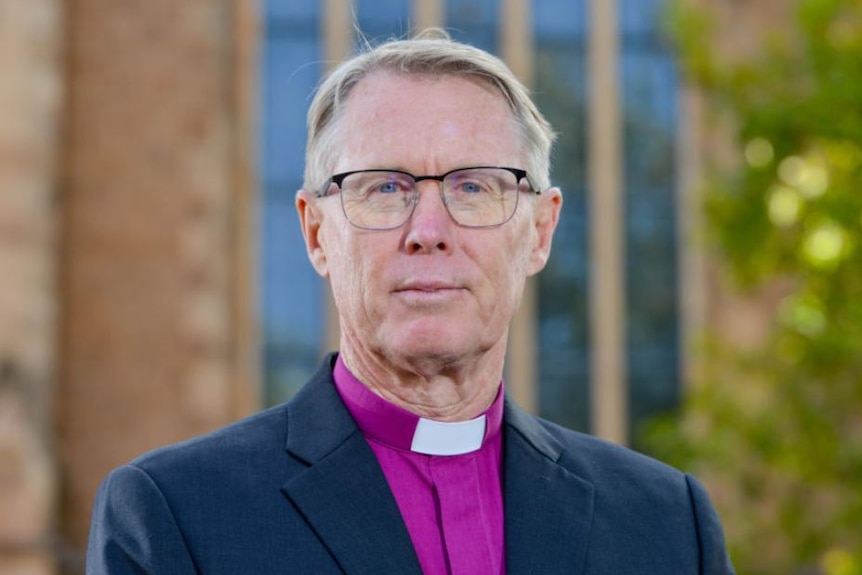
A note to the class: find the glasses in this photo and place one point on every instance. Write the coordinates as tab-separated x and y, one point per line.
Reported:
479	197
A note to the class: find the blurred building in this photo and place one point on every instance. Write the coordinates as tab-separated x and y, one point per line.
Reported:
153	285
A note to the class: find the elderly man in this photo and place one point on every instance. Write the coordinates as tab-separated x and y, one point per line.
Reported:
426	204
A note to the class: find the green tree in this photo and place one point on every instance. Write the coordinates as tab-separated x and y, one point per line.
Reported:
777	431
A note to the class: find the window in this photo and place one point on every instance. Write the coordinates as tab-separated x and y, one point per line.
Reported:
560	92
649	86
292	299
474	22
381	21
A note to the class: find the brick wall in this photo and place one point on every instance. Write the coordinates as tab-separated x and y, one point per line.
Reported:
154	206
126	242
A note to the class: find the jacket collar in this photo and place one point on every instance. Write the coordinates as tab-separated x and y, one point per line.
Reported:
549	510
343	493
344	496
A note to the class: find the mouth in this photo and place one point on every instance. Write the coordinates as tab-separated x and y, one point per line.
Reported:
428	285
428	291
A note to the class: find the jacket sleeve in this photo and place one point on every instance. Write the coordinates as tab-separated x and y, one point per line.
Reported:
714	559
133	530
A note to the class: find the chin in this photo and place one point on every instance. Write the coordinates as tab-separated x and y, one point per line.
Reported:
445	337
438	348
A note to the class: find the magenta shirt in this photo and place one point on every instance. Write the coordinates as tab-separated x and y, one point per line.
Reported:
452	504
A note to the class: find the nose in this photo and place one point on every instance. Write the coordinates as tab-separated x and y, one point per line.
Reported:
430	227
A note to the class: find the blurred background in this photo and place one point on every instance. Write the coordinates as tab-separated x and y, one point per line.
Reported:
703	302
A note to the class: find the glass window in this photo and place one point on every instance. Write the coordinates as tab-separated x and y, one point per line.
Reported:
561	93
649	88
292	301
648	83
474	22
381	21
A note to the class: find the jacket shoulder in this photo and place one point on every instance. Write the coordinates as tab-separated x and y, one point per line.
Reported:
642	506
594	457
262	433
624	480
258	438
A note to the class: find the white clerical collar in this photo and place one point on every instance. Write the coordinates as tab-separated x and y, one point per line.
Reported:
448	438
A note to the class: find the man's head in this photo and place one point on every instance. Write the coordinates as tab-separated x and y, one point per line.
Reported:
426	272
435	54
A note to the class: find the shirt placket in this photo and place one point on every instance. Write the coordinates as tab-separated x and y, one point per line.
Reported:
466	534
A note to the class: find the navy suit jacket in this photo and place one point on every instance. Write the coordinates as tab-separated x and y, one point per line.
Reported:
296	489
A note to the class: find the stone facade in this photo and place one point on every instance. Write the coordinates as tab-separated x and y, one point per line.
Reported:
31	100
125	249
149	228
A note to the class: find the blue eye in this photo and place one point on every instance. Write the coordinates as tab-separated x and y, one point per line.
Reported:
389	187
471	187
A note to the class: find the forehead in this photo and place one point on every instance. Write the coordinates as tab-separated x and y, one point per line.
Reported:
419	121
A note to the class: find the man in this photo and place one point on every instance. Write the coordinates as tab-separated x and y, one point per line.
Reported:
426	204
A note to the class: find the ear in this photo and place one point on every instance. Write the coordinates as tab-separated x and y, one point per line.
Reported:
310	221
546	217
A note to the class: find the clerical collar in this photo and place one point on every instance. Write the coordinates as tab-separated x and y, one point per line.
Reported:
392	425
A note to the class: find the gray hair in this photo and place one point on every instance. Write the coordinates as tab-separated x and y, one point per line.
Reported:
430	52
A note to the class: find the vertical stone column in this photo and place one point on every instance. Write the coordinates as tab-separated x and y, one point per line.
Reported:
30	104
156	339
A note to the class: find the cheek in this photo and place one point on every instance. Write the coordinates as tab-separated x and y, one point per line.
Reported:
517	248
352	274
514	263
506	273
340	264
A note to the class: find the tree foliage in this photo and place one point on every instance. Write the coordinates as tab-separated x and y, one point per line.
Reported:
776	430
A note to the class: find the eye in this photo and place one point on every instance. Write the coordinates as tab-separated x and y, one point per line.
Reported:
386	183
470	187
389	187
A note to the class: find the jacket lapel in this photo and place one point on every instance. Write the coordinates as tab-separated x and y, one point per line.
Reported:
549	510
343	494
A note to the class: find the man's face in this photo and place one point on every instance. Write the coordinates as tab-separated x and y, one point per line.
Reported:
429	292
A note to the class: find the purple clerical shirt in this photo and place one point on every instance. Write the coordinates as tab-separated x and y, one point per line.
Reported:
446	478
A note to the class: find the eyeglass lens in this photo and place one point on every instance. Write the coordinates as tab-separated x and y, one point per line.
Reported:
474	197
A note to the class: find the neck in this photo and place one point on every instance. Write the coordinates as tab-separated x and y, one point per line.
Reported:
442	390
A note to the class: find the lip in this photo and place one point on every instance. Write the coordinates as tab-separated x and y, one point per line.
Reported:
428	292
426	286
